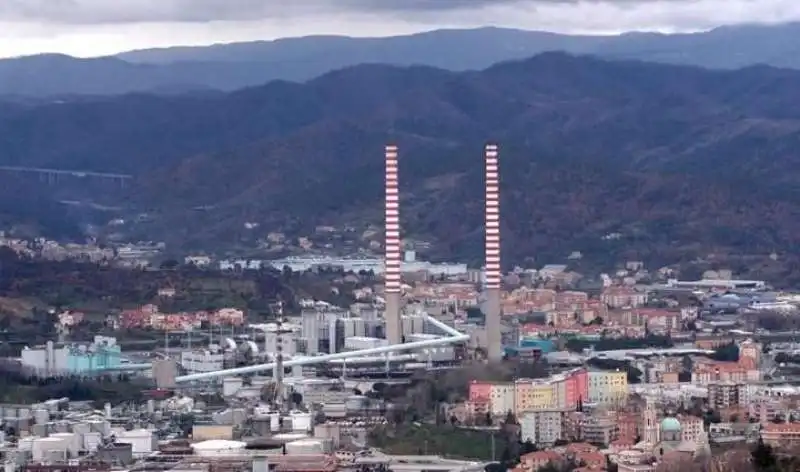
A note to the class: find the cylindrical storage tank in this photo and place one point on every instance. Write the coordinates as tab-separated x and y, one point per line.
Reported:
327	445
91	441
55	457
39	430
26	444
330	431
231	385
260	464
238	415
301	421
305	447
41	416
72	441
215	448
100	426
43	446
274	422
141	440
81	428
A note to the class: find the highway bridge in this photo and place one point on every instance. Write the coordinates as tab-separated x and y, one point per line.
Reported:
53	176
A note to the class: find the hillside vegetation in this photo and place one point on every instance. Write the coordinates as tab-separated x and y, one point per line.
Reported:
676	161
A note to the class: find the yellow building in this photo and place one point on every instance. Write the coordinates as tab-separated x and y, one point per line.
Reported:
608	387
532	396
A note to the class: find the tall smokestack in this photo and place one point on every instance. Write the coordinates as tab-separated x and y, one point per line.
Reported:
392	273
493	273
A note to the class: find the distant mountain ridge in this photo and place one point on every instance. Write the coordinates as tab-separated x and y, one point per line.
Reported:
233	66
678	161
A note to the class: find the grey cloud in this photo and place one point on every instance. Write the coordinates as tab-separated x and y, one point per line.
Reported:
167	11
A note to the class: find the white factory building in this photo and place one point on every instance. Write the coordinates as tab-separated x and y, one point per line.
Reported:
355	265
202	360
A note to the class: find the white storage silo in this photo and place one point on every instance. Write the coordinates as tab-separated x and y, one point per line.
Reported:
219	447
43	447
305	447
301	421
26	443
91	441
231	385
274	422
72	441
100	426
141	440
260	464
55	456
81	428
41	416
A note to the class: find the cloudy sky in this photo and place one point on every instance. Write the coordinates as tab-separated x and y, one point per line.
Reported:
98	27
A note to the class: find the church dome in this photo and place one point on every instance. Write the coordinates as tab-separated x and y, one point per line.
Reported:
670	424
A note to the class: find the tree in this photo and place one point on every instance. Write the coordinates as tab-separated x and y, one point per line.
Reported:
763	457
169	264
527	447
296	398
597	321
726	353
782	358
505	457
510	418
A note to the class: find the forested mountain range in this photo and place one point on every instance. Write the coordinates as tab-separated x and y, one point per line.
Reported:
675	161
233	66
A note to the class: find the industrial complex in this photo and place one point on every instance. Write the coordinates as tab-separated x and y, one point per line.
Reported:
639	370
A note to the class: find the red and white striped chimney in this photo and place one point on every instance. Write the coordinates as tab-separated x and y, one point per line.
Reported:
393	270
492	270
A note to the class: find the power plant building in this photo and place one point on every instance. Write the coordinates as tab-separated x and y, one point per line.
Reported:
54	360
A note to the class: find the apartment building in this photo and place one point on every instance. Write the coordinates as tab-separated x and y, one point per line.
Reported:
726	394
542	427
692	428
561	391
600	430
535	395
704	373
623	297
608	387
781	434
